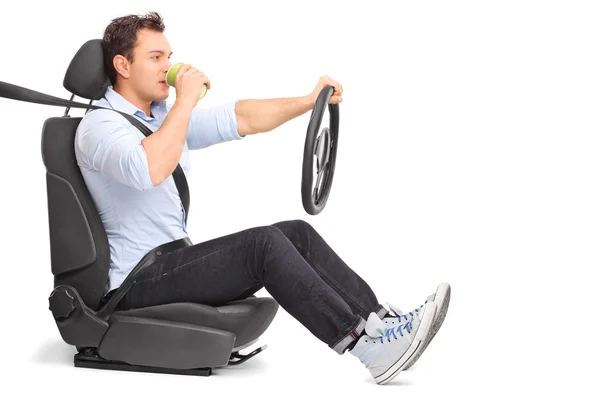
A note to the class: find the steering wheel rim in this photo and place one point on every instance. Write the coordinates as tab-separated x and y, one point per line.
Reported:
323	146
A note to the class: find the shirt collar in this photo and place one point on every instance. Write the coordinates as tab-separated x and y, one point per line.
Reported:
119	103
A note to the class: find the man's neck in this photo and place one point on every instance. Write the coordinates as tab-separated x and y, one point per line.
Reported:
130	96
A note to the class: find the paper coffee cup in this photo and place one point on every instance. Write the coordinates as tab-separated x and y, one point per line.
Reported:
172	72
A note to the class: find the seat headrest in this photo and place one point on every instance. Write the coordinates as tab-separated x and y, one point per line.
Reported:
86	76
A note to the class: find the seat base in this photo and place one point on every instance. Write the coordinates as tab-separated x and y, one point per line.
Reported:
89	358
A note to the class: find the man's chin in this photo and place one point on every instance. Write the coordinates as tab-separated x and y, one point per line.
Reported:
161	96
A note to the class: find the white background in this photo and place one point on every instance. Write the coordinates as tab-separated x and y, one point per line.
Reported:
468	153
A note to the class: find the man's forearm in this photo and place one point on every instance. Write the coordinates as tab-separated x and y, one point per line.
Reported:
263	115
164	147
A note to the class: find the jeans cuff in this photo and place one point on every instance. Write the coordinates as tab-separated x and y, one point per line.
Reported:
381	311
354	333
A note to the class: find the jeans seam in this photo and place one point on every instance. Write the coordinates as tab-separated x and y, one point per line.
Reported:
184	265
345	334
316	265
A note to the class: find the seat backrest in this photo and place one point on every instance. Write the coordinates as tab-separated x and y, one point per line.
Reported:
79	249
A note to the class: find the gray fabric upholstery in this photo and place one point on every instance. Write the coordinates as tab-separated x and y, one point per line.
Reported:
85	76
247	318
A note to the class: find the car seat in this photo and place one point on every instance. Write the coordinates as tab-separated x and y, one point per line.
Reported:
180	338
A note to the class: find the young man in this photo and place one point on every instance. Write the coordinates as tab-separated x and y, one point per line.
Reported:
129	178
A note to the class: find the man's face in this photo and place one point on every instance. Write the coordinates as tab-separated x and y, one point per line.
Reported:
150	65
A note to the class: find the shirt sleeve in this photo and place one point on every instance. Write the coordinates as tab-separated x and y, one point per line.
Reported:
114	148
209	126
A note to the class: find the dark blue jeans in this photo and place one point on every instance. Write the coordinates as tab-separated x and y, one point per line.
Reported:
289	259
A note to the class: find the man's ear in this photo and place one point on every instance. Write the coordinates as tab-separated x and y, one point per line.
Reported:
122	66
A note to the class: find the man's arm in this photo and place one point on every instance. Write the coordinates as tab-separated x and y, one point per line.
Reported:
106	142
210	126
164	147
263	115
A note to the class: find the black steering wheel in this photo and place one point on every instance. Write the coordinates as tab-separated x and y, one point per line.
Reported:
323	147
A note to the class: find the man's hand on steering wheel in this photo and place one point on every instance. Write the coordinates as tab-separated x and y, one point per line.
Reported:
325	80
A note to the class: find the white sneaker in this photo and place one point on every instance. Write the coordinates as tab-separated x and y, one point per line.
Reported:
386	351
441	299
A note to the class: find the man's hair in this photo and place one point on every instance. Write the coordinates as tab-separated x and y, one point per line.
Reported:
120	37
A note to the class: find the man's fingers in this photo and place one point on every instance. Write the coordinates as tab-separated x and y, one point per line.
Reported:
196	72
183	69
193	70
336	85
336	96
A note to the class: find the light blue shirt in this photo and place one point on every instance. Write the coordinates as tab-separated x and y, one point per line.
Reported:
137	215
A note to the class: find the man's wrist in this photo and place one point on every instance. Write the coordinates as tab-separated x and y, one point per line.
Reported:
309	100
184	104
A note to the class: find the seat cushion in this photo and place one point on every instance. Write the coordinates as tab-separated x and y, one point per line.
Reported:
248	318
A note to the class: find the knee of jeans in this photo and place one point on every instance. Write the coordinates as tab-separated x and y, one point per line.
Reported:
295	225
302	224
268	234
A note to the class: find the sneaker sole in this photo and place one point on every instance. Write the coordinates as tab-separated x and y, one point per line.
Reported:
442	301
423	332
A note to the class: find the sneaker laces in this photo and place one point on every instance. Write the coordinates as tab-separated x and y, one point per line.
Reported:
399	314
376	328
392	331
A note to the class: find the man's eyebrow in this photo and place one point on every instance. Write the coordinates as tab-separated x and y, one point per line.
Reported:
159	51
